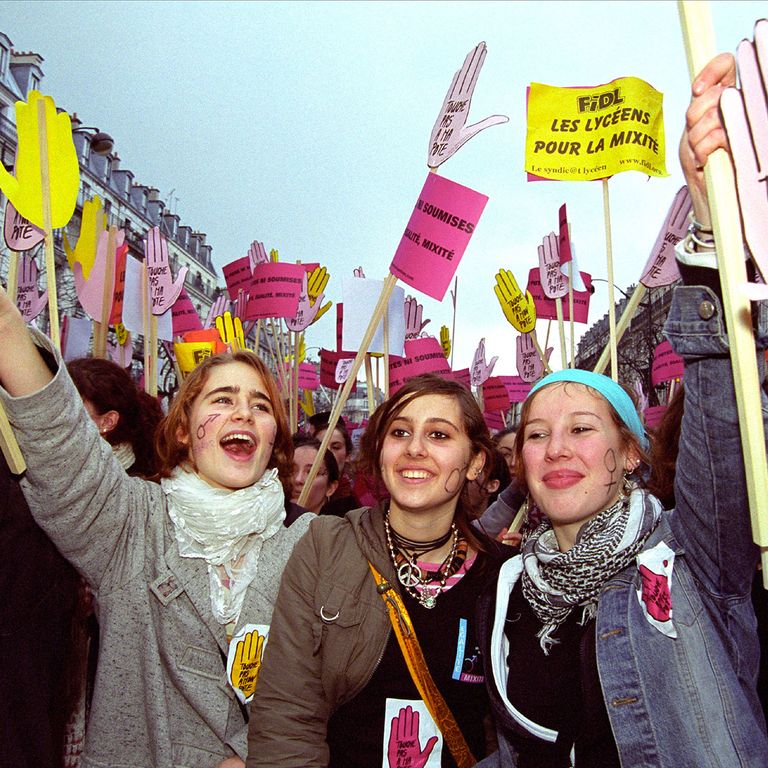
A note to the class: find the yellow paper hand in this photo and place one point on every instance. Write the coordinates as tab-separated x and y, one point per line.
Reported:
274	255
445	341
247	663
25	189
519	310
94	222
318	280
307	403
231	331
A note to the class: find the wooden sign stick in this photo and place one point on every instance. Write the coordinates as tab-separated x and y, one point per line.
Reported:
101	328
623	324
50	261
699	37
561	328
152	354
386	354
453	324
611	301
277	353
379	311
12	284
570	321
295	383
543	357
369	385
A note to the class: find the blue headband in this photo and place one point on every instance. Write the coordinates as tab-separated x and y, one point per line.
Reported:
609	389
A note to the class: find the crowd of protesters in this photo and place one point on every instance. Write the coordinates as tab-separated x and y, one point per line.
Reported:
572	592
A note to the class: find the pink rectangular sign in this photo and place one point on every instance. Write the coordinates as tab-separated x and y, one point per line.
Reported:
546	309
653	415
667	365
437	235
237	275
328	362
274	290
517	389
462	376
495	395
308	378
493	420
421	356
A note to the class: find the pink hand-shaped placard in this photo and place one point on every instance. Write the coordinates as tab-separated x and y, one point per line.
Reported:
413	323
530	366
661	267
163	289
450	131
481	371
257	254
20	234
553	281
745	115
218	308
358	272
404	748
29	300
306	312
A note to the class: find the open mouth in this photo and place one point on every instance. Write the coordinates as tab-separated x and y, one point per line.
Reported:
239	445
415	474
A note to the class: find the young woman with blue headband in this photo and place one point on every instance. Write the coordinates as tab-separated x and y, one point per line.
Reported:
622	636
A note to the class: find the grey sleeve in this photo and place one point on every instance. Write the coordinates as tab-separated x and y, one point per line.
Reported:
501	513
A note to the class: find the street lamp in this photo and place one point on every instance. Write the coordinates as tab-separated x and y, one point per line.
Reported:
101	143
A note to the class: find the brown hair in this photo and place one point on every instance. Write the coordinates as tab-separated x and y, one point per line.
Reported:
665	448
474	427
172	451
628	438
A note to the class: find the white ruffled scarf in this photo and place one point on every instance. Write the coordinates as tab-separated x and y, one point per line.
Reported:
225	528
124	455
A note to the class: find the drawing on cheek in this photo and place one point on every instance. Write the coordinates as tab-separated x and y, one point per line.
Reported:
454	481
612	465
201	428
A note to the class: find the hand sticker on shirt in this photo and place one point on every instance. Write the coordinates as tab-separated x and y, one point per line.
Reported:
411	737
246	651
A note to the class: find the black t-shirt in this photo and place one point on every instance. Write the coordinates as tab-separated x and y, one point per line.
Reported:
560	691
363	733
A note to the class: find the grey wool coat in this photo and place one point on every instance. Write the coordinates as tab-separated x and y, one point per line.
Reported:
161	696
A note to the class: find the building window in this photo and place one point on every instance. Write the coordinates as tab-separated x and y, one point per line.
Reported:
3	60
35	82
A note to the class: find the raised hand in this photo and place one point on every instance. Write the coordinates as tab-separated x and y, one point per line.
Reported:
163	290
530	366
358	272
219	307
257	254
661	267
413	322
25	189
316	284
519	310
445	340
404	748
745	114
553	281
306	313
92	224
449	133
231	331
481	371
29	300
90	289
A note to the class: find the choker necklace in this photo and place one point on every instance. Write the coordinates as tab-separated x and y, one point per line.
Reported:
415	581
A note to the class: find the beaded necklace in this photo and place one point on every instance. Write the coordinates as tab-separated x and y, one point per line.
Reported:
417	583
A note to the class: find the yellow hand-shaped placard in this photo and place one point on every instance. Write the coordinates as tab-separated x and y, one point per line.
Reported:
307	403
519	309
274	255
244	660
318	280
445	340
93	223
37	118
231	331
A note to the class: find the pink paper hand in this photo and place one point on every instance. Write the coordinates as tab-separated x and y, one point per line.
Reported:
257	254
358	272
218	308
745	114
553	281
449	133
163	290
306	312
240	304
530	366
29	300
661	267
90	291
404	748
413	323
481	371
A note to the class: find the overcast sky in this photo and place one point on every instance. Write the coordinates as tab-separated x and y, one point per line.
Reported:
306	124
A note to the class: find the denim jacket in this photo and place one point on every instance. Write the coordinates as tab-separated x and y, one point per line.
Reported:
688	700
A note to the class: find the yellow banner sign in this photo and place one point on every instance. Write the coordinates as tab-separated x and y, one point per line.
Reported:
581	134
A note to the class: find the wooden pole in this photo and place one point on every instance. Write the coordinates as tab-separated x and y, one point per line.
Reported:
101	327
379	310
50	258
369	385
13	275
699	38
386	353
454	294
623	324
611	301
561	328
